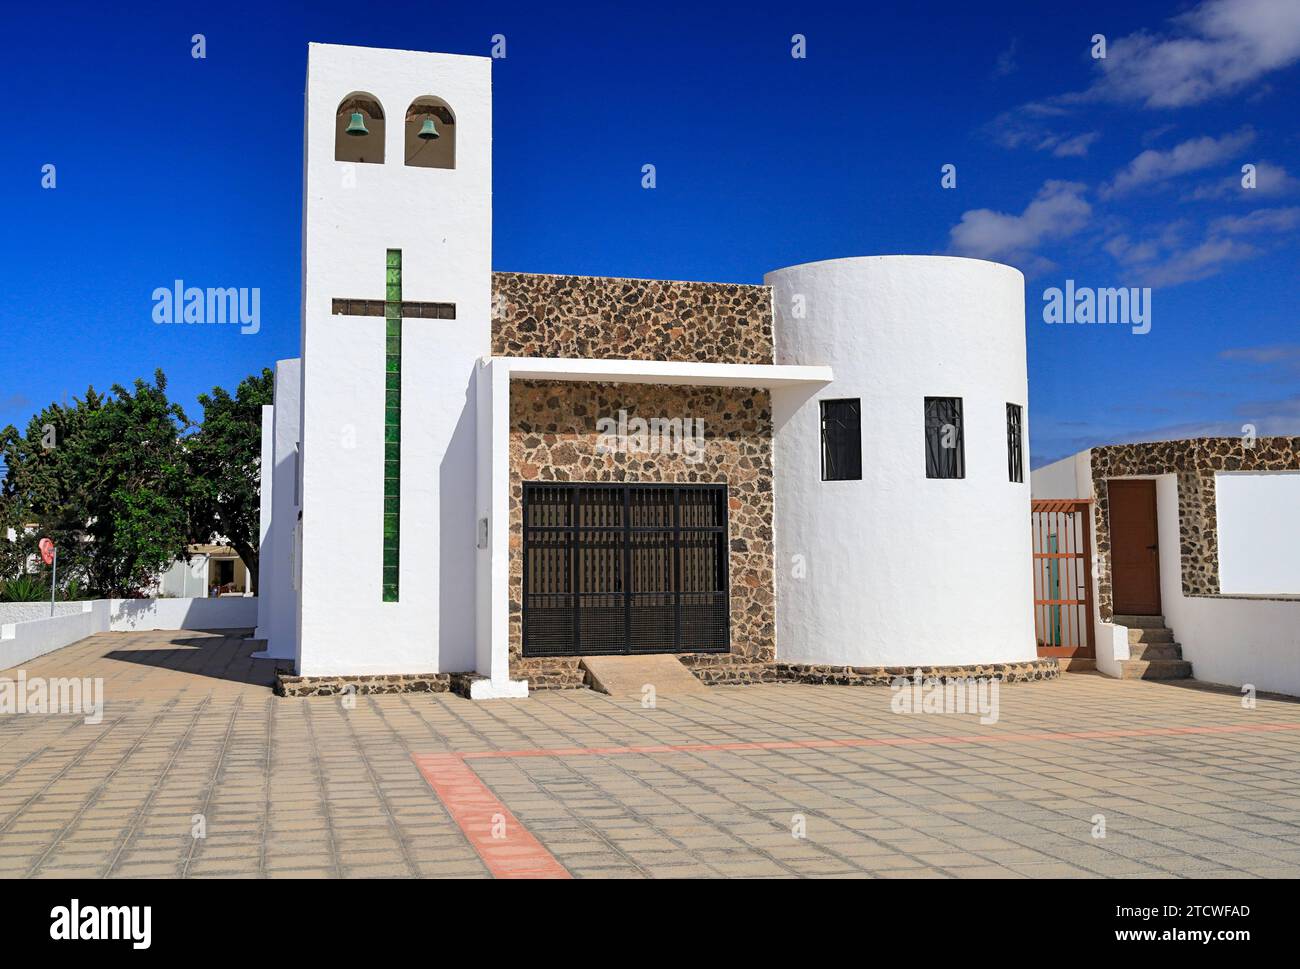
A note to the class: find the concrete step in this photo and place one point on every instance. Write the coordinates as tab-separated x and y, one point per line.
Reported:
1150	634
1074	664
1155	651
628	676
1142	622
1155	669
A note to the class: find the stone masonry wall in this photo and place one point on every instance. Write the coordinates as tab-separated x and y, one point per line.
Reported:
553	437
1195	462
599	317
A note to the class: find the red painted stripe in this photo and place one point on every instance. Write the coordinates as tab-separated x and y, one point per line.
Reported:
479	812
476	810
990	738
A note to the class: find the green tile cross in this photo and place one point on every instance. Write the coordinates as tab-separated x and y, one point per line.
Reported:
394	309
392	420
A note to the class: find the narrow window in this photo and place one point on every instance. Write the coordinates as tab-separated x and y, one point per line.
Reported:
842	440
1015	444
945	447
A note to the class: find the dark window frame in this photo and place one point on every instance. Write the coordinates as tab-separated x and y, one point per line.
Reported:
944	462
1015	443
841	438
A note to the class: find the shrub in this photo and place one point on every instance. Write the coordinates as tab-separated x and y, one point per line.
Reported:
25	588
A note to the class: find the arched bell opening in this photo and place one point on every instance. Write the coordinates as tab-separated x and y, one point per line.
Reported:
359	129
430	134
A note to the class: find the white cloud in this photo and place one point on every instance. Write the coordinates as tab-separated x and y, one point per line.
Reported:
1057	211
1270	181
1261	220
1026	127
1218	48
1277	353
1006	63
1077	146
1199	262
1154	166
1059	441
1166	259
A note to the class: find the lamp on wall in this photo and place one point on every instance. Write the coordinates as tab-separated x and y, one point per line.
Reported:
427	131
357	126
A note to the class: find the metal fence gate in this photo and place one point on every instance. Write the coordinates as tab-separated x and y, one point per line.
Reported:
636	568
1062	548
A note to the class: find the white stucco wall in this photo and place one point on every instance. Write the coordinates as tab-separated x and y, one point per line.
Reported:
277	619
901	569
22	641
441	220
1231	641
266	483
213	612
1067	478
1259	532
186	580
1227	640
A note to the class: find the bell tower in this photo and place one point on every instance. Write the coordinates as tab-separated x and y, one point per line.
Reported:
396	303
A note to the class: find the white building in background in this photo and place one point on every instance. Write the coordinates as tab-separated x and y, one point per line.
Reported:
443	499
1196	547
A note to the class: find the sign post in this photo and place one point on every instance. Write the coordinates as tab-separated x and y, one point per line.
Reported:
50	554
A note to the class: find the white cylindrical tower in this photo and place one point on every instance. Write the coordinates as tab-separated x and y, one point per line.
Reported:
897	568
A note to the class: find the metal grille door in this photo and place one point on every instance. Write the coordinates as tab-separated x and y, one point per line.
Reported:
613	569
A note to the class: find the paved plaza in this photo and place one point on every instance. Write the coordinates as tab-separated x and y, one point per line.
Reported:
197	770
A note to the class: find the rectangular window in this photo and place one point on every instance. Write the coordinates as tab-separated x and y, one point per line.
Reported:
1015	444
945	446
842	440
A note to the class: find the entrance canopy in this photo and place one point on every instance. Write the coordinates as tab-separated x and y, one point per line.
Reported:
677	602
663	372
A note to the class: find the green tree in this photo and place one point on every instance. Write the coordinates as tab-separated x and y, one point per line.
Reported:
44	485
122	488
107	480
225	458
132	458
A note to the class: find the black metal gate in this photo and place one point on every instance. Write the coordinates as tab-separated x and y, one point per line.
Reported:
625	569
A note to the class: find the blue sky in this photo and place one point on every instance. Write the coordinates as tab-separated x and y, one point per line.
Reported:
1116	172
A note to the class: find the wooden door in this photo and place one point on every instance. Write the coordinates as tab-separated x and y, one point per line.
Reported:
1134	547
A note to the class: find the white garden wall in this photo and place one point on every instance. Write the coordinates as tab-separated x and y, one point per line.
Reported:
21	641
1232	641
1259	532
24	641
218	612
26	611
1227	640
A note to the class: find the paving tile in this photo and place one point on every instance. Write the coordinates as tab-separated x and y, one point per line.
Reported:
308	788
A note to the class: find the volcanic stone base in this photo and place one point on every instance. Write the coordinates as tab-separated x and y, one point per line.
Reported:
723	671
288	685
559	673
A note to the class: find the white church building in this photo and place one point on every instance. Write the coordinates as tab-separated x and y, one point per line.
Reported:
482	477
